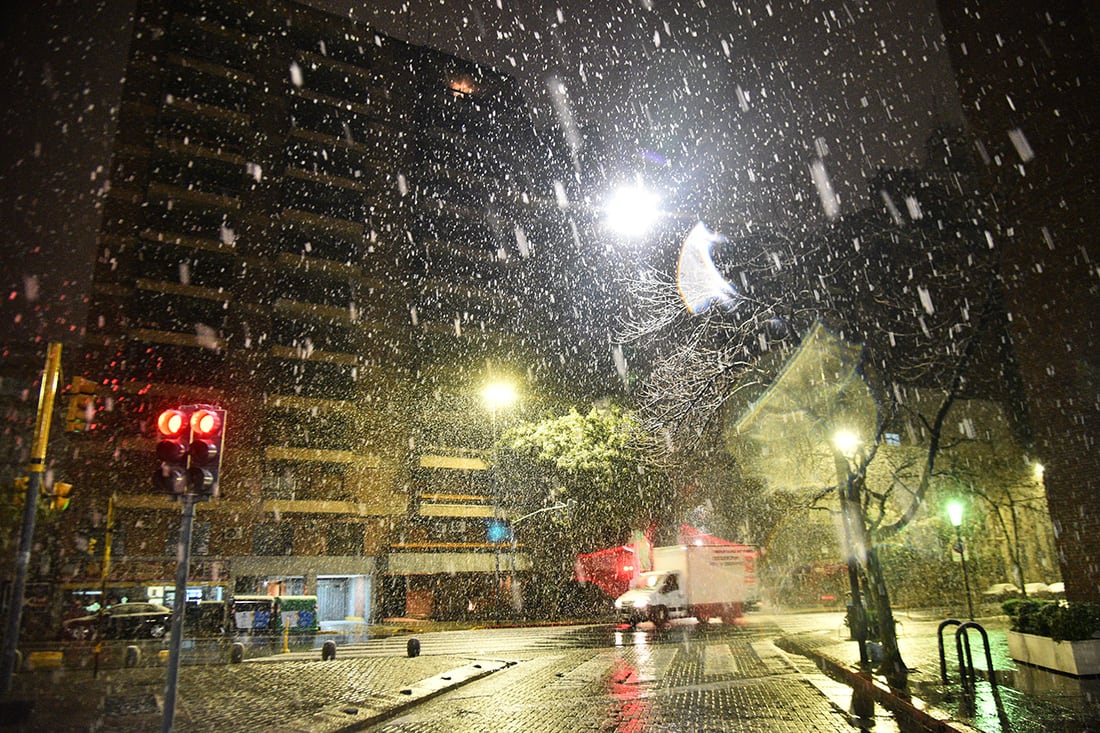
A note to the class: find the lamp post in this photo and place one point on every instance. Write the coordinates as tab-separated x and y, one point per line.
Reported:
497	396
845	444
560	505
955	515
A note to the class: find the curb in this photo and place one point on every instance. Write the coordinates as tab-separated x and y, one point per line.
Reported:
899	703
349	717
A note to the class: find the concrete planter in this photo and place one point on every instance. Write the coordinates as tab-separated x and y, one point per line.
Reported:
1077	658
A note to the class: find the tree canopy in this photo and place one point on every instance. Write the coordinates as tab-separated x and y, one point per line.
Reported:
598	462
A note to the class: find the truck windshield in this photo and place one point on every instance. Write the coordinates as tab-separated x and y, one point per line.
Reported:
649	580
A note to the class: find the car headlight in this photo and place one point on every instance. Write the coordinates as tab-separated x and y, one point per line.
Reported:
618	603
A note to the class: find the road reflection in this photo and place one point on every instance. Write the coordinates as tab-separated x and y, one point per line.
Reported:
631	709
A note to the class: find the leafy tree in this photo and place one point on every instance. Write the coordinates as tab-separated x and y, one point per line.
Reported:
597	463
910	287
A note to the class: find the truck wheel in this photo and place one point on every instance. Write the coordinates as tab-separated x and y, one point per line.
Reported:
659	617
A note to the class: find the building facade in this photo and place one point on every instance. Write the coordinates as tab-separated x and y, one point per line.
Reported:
1030	92
330	234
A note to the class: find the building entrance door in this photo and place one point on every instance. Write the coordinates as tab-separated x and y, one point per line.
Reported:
332	599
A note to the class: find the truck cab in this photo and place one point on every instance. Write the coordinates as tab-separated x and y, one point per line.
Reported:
655	596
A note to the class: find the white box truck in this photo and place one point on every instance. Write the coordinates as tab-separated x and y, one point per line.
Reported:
704	581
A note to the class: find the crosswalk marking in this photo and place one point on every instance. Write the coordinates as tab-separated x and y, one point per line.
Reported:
719	659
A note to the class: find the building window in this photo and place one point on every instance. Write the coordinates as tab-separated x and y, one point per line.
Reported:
273	538
200	540
345	538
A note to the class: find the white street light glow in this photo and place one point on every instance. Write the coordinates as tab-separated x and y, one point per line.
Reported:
846	442
632	210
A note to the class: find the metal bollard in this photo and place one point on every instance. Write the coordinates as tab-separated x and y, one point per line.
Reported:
236	653
328	651
413	647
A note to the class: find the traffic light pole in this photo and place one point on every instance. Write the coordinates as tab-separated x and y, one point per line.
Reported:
50	377
183	565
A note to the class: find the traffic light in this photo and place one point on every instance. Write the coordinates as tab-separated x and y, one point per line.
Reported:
173	449
498	531
59	497
19	486
82	406
189	450
207	436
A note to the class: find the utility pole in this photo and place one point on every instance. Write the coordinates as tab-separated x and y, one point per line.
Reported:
50	376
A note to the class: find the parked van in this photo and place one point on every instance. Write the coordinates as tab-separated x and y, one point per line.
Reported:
272	614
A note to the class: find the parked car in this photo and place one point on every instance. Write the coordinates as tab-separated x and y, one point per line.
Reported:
122	621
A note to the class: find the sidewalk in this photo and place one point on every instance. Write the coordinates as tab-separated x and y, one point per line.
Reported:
247	697
1026	699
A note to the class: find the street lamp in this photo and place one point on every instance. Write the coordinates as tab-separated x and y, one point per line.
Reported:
845	444
498	395
632	210
955	515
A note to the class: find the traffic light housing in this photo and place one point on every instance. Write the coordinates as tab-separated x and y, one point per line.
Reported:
173	451
189	451
60	496
80	416
207	438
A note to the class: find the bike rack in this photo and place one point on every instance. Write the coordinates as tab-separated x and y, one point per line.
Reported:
939	637
967	674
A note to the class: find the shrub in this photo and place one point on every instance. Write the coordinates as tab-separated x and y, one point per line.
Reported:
1075	621
1059	620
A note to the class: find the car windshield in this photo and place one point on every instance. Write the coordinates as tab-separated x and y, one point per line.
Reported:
487	306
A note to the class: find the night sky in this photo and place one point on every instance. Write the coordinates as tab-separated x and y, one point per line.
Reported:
731	96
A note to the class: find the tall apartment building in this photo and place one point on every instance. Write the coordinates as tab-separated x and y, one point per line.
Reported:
327	232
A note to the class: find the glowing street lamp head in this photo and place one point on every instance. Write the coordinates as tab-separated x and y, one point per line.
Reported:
632	210
846	442
498	395
955	512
